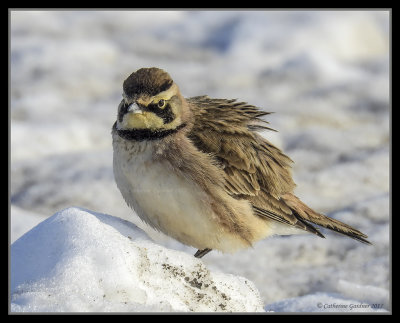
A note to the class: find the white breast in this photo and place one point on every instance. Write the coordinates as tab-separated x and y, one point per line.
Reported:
167	200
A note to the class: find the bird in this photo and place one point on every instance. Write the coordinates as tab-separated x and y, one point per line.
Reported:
198	170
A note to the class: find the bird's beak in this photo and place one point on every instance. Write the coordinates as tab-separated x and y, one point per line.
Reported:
133	118
134	108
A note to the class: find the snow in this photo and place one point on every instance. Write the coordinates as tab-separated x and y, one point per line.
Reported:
323	303
22	221
325	74
79	261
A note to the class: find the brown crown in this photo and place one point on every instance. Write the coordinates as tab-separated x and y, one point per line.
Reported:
150	81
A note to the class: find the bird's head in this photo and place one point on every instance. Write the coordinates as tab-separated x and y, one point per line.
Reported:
152	106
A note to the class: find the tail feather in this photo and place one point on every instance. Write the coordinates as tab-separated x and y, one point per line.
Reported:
289	219
303	213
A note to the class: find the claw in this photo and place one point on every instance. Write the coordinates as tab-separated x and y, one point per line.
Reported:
201	253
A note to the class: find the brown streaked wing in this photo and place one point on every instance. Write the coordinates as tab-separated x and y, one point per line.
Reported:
255	169
227	130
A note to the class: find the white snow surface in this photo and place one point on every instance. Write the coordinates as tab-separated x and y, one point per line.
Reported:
325	74
80	261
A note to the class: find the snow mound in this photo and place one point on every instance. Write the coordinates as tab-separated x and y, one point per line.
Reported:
78	260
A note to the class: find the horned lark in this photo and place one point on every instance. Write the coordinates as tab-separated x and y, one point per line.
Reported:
197	170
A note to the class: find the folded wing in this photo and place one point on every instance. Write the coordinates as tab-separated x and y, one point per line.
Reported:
254	169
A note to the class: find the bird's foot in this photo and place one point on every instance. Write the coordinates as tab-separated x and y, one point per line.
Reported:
201	253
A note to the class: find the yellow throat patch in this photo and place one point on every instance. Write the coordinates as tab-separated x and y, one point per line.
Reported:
144	120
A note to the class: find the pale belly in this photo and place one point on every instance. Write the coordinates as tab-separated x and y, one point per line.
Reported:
172	204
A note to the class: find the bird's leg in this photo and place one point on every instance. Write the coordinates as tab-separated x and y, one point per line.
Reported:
201	253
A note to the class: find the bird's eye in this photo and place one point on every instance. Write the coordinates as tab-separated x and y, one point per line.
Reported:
161	103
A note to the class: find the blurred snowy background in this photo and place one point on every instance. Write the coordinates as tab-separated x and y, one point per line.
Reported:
324	74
